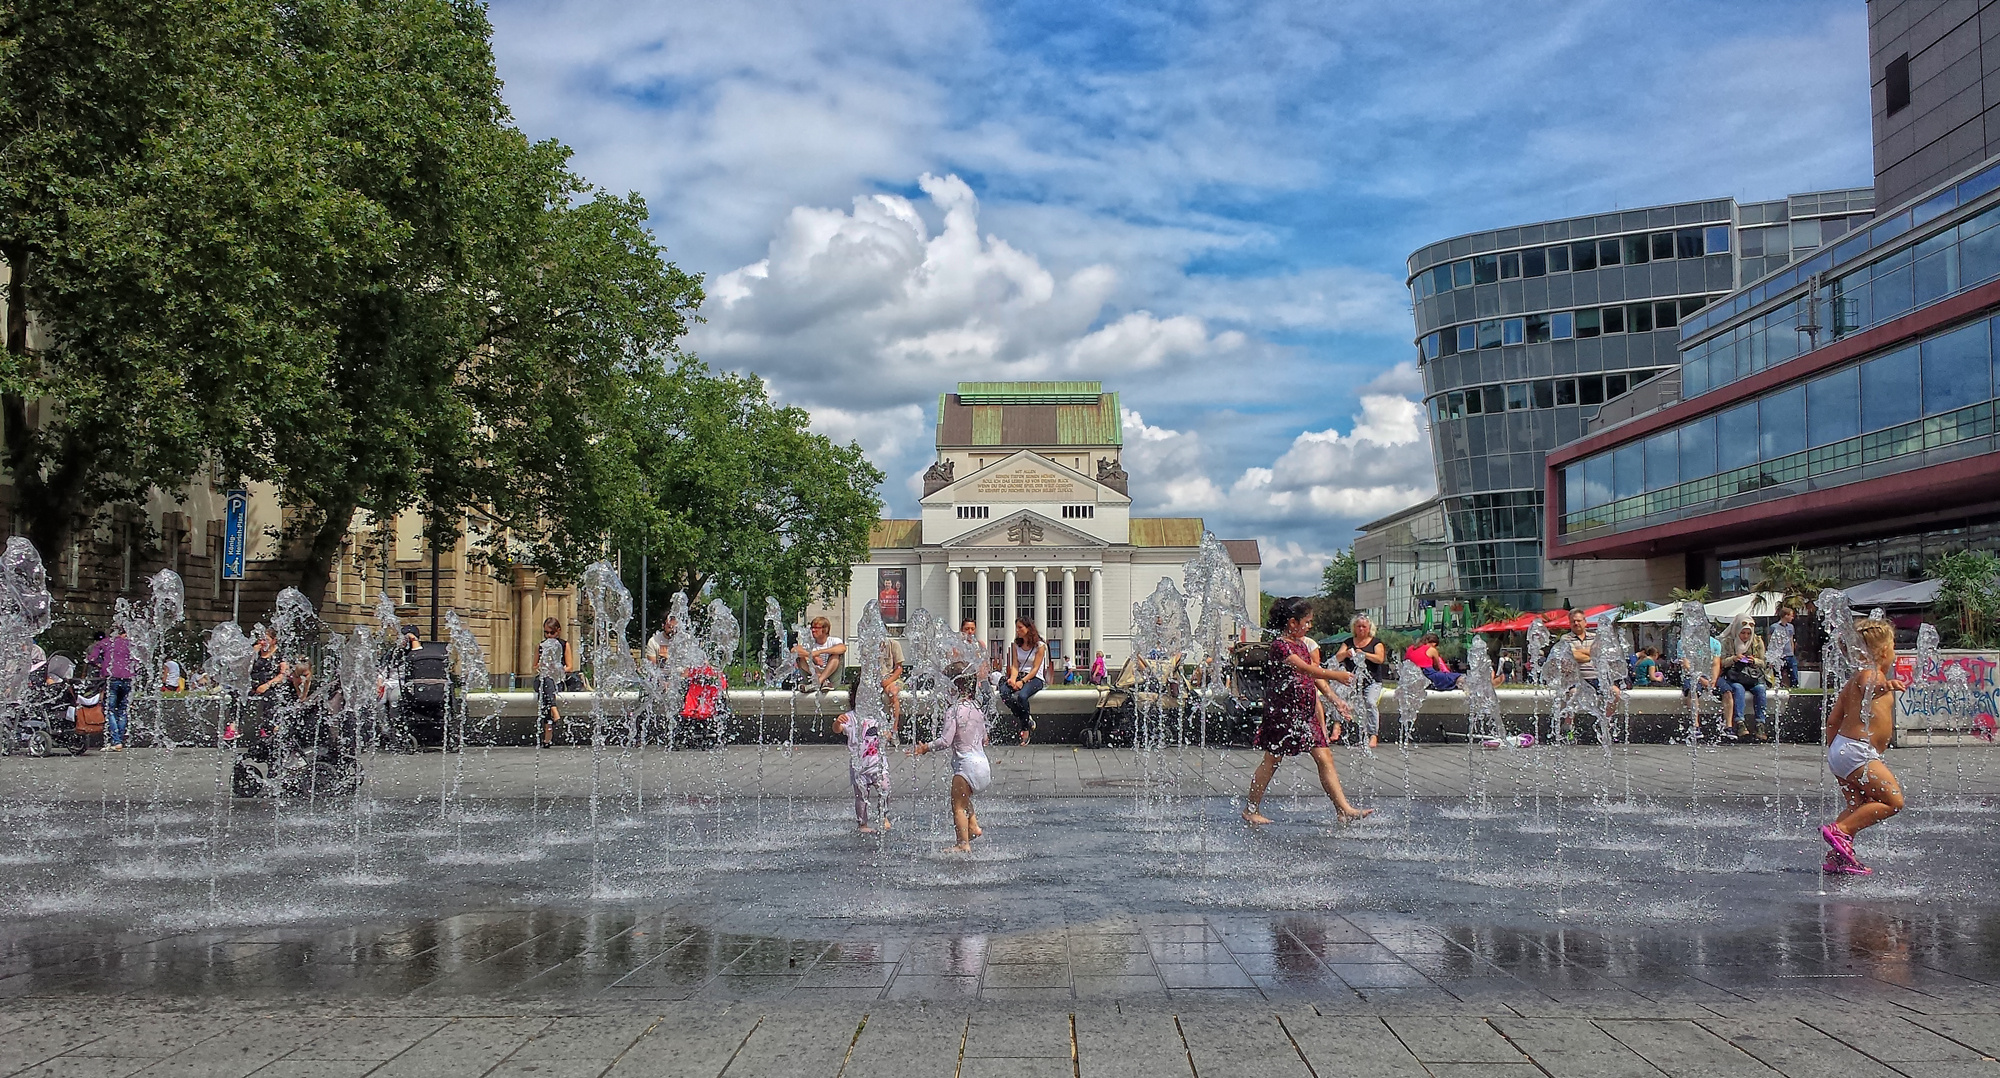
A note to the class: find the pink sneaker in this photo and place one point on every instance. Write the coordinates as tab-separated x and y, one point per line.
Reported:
1834	866
1843	847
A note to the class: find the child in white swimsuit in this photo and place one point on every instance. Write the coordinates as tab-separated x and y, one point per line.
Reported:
963	732
1859	727
867	768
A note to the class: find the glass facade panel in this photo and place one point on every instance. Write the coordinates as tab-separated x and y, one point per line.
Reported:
1639	318
1558	260
1510	265
1607	252
1716	239
1583	256
1562	325
1511	331
1736	437
1663	459
1517	396
1588	324
1534	263
1441	278
1468	338
1890	393
1637	250
1565	391
1489	334
1495	400
1833	407
1628	471
1698	449
1461	274
1688	243
1613	319
1590	390
1485	269
1573	489
1957	368
1597	480
1538	329
1781	423
1545	394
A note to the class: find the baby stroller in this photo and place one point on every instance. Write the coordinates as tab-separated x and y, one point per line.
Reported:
60	712
297	751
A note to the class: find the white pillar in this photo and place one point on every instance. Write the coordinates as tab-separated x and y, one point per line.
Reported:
1099	633
1012	605
1070	636
1042	600
951	604
981	595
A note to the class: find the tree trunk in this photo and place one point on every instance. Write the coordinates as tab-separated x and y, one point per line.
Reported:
315	562
45	505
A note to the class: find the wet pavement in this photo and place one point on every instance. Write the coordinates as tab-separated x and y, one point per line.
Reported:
1575	911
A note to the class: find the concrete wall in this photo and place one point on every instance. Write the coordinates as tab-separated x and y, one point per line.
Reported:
1586	582
1953	120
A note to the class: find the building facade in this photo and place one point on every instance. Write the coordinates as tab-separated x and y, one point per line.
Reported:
1025	513
1402	566
1525	333
1844	405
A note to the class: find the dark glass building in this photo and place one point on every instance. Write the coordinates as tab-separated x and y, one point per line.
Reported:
1524	334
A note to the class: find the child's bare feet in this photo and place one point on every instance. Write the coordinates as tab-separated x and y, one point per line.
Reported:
885	823
1252	816
867	830
1350	813
963	847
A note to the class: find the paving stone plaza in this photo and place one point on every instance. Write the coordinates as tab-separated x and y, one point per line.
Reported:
1575	912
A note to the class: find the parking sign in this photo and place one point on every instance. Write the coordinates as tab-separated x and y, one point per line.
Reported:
235	522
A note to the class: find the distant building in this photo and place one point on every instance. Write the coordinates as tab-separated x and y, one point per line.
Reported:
1845	404
1026	512
1403	565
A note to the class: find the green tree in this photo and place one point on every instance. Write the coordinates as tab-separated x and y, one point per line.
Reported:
1333	607
1968	599
483	359
1790	574
158	224
738	491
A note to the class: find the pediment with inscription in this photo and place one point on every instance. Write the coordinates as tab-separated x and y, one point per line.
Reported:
1024	477
1025	531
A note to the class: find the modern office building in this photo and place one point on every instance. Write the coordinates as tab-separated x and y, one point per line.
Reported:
1845	404
1026	513
1524	333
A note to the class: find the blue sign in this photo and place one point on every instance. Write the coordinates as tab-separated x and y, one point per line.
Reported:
234	525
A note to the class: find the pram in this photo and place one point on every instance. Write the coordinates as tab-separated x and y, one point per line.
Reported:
59	712
298	750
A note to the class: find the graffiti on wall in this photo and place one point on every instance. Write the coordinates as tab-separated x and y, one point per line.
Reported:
1931	701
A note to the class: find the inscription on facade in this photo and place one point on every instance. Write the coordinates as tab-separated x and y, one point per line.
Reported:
1024	481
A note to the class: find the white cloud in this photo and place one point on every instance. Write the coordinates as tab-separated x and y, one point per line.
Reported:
870	307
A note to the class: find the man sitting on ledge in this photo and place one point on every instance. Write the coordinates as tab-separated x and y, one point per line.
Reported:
818	659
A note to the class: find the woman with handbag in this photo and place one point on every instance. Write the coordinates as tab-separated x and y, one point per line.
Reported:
1745	674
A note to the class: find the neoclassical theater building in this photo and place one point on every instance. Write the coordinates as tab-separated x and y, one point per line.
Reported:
1026	512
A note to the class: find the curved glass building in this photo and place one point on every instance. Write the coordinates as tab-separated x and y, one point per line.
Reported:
1524	334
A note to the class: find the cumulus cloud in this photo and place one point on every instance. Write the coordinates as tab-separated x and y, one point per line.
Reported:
1306	503
871	306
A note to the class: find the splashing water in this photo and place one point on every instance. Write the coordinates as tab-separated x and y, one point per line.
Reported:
25	613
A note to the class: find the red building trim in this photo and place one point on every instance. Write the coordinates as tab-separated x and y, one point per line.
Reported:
1751	523
1972	483
1916	324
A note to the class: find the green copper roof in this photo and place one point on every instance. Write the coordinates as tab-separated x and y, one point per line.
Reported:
1029	414
1029	392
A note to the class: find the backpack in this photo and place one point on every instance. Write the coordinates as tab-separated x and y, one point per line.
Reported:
704	693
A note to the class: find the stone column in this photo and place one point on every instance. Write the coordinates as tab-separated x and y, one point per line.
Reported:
1042	600
1069	613
1011	605
1099	634
952	603
981	595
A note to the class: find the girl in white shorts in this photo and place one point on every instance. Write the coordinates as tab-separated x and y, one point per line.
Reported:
964	734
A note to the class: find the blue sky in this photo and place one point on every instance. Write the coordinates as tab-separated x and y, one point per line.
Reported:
1207	206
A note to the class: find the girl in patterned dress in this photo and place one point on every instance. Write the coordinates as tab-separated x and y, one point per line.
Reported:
1293	723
